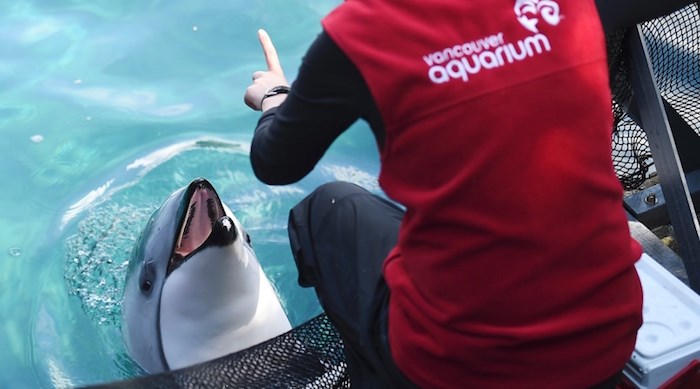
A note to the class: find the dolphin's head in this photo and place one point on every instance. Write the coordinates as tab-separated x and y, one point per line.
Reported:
192	260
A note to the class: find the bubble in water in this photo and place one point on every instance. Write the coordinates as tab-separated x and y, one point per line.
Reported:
195	28
38	138
14	251
97	258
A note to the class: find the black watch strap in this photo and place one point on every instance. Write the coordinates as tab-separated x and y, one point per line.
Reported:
274	91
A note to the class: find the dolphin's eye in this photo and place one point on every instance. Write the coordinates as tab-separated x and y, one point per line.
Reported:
146	278
146	286
247	238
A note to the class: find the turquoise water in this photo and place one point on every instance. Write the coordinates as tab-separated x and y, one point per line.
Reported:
105	108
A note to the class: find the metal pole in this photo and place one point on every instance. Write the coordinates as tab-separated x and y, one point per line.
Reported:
655	123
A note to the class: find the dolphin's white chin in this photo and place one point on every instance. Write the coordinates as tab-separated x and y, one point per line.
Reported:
217	302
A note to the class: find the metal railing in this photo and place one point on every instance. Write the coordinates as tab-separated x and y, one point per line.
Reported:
652	113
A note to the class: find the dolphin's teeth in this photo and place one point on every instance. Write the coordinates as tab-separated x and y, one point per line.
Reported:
185	230
211	210
190	215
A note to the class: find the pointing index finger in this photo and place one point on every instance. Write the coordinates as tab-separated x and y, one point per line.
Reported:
273	62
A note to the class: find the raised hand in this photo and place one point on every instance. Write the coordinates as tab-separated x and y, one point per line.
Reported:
263	81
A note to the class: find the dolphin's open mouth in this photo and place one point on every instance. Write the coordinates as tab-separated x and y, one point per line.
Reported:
203	209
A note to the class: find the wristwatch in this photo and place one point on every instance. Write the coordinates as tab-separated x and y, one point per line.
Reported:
274	91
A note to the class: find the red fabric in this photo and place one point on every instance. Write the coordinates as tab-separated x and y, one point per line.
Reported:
514	266
687	378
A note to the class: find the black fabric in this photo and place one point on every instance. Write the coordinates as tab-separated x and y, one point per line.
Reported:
340	236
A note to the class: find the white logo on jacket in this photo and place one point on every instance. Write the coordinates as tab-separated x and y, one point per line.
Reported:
530	11
464	60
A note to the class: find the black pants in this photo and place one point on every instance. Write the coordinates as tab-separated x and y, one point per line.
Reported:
340	235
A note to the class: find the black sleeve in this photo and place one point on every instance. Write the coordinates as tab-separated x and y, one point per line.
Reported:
328	96
616	14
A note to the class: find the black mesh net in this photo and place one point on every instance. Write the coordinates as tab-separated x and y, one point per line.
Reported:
674	47
311	355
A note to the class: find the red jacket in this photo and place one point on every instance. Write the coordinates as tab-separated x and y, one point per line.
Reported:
514	266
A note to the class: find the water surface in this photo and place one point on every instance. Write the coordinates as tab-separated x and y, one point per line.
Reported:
106	108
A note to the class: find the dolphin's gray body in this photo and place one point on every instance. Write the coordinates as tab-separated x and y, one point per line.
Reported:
194	289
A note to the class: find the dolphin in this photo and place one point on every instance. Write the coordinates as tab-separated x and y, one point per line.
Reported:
194	288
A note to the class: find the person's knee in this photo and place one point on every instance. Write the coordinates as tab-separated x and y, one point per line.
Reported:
336	190
325	199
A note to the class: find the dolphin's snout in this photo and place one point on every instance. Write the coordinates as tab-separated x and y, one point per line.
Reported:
199	183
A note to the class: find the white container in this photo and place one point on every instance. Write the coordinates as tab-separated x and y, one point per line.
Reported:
669	339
